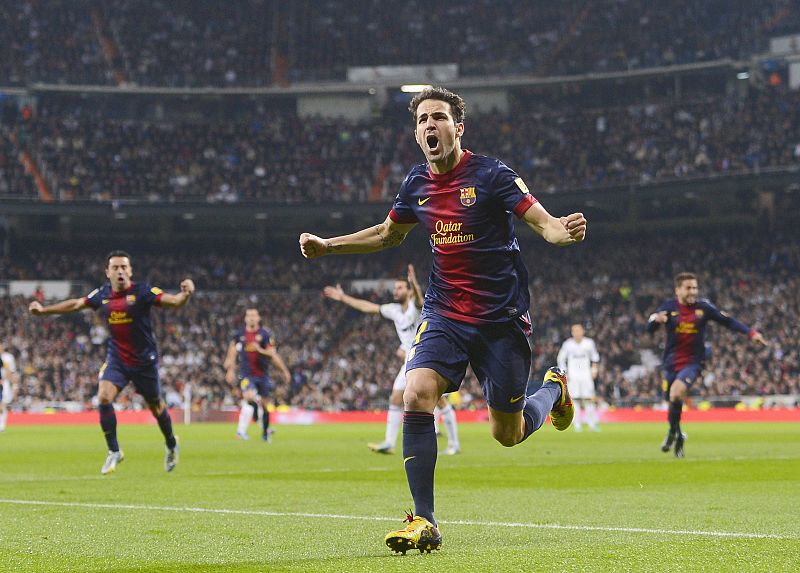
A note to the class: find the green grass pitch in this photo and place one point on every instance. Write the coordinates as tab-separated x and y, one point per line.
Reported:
317	500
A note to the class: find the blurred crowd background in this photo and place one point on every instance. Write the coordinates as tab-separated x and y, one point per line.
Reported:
65	145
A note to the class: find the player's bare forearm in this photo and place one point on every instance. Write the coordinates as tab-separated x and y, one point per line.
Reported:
561	231
174	300
230	358
180	299
370	240
415	288
63	307
361	304
281	365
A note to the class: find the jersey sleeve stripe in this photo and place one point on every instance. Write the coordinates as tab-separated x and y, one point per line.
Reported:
524	204
397	218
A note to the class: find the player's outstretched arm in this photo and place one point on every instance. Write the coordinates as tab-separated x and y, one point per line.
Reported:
419	299
70	305
336	293
557	231
369	240
734	324
180	299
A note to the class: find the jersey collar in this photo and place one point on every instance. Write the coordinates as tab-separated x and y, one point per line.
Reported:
454	171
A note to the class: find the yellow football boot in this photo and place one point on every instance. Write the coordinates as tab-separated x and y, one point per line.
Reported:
418	534
563	411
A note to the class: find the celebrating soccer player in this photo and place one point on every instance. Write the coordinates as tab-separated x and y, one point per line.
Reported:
685	318
132	355
256	350
476	306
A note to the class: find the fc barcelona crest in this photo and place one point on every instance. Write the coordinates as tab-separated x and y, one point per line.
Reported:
468	196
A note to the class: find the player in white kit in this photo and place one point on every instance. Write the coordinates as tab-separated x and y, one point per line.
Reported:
8	371
405	312
578	357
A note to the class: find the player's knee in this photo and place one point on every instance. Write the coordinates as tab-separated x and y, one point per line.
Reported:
506	437
419	398
155	406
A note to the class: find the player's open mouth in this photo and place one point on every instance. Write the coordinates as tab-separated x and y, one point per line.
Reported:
432	141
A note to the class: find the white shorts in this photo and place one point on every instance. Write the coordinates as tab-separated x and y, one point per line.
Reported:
8	393
400	380
580	387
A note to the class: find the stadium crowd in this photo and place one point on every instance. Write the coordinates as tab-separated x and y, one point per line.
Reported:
260	42
343	360
276	157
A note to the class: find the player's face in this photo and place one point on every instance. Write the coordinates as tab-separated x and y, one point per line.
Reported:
119	273
436	133
401	291
577	332
687	292
251	318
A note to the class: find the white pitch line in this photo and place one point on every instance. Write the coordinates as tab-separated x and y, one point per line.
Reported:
729	534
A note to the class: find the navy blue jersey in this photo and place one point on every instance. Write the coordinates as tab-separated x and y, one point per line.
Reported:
253	364
128	316
477	274
686	330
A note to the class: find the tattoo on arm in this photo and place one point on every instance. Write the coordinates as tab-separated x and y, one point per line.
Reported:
392	239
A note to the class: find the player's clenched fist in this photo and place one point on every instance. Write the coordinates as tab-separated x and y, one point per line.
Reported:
312	246
187	286
35	307
575	224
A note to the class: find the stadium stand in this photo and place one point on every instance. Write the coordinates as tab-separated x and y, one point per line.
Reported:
254	42
279	157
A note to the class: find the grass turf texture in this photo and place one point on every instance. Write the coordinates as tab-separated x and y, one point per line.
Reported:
736	478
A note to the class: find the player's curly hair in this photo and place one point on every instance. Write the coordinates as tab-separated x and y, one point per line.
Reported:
457	106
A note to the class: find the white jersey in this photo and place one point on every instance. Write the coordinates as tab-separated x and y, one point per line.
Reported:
405	321
576	358
9	365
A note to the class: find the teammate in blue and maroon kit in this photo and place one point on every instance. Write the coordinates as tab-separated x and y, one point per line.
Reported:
685	318
476	305
256	350
132	355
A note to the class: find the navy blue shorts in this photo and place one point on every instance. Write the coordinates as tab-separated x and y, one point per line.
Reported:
262	385
687	375
499	353
145	378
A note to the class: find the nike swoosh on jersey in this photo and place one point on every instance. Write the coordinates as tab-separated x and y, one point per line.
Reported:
408	459
517	399
422	201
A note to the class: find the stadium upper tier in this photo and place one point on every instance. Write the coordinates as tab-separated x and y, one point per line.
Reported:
342	359
282	158
185	43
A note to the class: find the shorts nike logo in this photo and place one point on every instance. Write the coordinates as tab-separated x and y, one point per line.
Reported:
423	201
408	459
517	399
